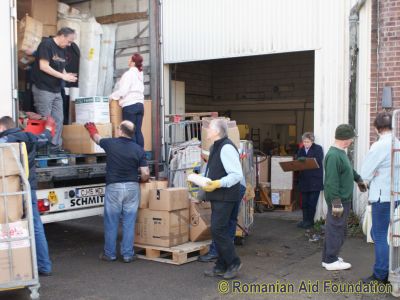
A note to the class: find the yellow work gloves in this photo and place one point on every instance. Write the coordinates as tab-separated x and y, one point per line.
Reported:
212	186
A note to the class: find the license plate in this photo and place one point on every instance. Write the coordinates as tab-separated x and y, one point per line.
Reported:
92	191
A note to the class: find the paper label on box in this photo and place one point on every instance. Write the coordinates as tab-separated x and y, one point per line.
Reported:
16	230
275	197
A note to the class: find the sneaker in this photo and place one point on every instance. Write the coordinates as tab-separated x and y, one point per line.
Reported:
373	278
232	271
207	257
337	266
324	264
214	272
104	257
128	260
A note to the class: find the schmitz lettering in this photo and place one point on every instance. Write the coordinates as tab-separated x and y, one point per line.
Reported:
87	201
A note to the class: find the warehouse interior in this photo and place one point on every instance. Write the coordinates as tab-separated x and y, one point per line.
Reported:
272	94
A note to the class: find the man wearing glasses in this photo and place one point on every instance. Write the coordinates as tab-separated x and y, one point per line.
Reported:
48	74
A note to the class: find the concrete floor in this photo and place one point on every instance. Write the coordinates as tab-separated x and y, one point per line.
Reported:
275	251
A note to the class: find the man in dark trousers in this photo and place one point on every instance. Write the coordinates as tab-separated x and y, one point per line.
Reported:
9	133
339	182
48	75
124	159
225	171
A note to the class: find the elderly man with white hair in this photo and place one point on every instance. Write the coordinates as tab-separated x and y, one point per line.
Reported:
124	159
225	171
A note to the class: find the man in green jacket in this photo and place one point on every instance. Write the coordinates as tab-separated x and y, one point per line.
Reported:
338	191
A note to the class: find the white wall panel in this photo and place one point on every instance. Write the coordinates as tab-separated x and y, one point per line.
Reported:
201	30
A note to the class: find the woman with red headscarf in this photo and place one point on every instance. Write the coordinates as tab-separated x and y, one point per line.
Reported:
130	95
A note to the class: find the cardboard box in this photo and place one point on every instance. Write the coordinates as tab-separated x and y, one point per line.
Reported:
76	138
14	203
280	180
263	168
21	259
146	187
200	221
92	109
147	126
115	116
281	197
162	228
11	166
44	11
49	30
29	34
169	199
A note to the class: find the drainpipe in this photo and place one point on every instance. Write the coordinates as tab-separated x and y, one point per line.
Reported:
353	51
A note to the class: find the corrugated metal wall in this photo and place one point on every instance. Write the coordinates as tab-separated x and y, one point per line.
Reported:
203	30
208	29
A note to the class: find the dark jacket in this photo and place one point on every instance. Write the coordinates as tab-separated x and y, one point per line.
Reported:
32	141
216	170
312	180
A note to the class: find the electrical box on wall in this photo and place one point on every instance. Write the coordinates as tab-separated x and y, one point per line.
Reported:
387	97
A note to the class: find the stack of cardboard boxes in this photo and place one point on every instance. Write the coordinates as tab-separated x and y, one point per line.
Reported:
20	262
163	216
107	115
37	19
281	182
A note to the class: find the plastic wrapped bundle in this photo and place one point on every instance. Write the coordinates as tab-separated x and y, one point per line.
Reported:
91	32
106	64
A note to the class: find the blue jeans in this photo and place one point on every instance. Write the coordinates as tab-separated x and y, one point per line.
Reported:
232	222
42	249
121	203
379	231
134	113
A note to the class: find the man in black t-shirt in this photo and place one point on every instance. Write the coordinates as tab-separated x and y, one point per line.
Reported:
48	72
124	159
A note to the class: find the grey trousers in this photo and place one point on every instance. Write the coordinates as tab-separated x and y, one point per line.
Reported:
48	103
335	233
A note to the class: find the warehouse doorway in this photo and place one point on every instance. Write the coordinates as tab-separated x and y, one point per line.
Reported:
271	97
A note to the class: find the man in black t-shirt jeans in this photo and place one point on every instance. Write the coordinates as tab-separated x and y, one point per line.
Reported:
124	158
48	74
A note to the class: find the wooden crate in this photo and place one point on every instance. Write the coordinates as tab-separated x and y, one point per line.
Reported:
176	255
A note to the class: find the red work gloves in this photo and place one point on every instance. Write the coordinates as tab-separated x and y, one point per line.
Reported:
91	127
50	125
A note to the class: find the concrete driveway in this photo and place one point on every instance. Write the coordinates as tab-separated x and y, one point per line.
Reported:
276	251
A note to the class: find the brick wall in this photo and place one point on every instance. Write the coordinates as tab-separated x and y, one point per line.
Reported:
386	70
265	77
288	76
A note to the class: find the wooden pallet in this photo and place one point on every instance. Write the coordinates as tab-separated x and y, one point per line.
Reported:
68	159
176	255
291	207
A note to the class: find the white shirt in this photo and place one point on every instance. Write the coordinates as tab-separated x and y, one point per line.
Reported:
376	169
129	90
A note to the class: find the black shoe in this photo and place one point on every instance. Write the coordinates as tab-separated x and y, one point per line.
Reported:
232	271
214	272
128	260
104	257
305	225
45	274
374	278
207	257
